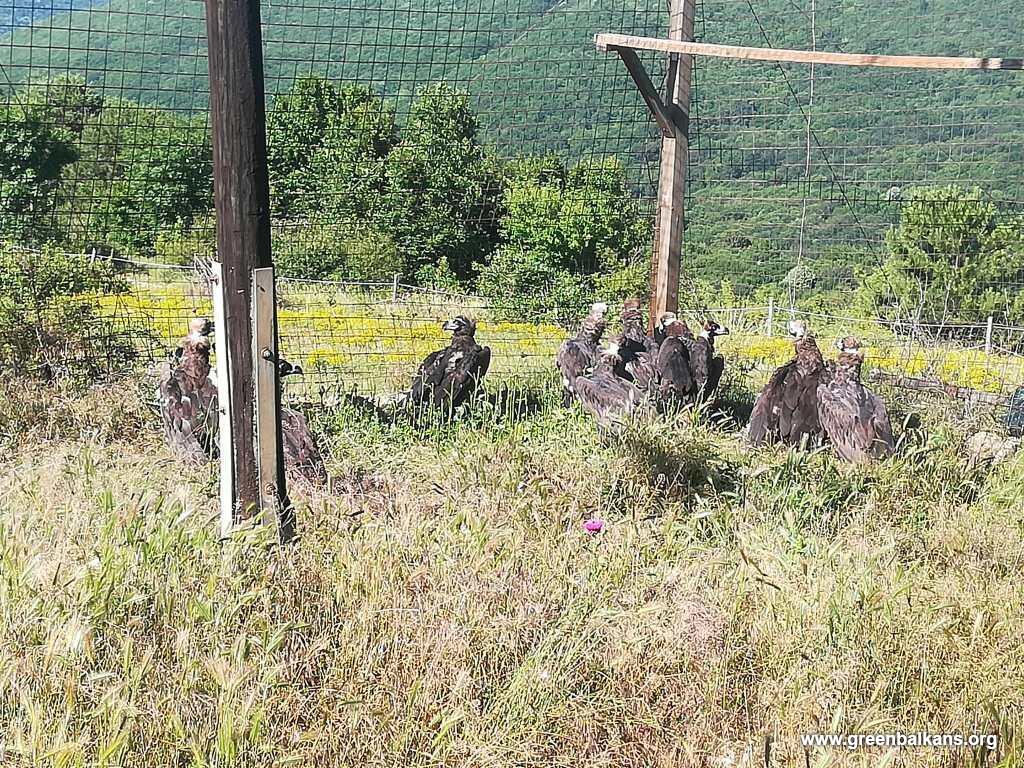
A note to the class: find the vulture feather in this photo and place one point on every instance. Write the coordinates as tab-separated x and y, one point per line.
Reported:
606	396
632	342
676	386
188	397
578	355
786	411
705	365
449	377
853	417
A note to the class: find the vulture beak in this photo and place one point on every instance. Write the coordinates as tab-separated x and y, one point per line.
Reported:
451	325
723	331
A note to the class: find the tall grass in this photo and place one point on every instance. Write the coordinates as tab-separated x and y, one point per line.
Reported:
445	607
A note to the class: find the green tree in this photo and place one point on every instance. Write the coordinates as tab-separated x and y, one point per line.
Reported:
952	257
564	235
70	101
147	168
296	125
33	155
440	193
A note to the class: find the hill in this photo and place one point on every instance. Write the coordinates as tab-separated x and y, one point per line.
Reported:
783	172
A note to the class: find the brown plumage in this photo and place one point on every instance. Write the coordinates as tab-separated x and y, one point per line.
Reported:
706	366
578	355
302	457
787	409
854	418
449	377
606	396
188	397
632	341
676	386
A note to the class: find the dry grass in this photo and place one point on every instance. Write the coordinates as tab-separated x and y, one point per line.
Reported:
446	608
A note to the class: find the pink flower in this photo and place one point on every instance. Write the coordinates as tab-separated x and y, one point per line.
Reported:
593	526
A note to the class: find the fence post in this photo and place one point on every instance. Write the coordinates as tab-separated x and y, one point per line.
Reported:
394	288
988	336
675	148
771	317
242	198
225	436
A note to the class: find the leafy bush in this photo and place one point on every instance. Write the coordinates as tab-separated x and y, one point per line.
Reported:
48	325
952	258
33	155
321	250
565	233
182	244
439	196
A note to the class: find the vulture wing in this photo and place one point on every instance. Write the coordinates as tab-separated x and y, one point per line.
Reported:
643	372
764	420
787	409
190	416
674	370
605	396
855	421
429	375
301	454
464	369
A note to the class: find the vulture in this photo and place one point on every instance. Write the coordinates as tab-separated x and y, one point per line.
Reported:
604	394
188	397
188	406
302	458
578	355
632	342
706	366
448	377
854	418
676	386
786	411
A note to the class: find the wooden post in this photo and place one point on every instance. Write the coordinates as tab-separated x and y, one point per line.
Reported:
225	435
675	147
242	192
269	450
988	335
394	288
770	329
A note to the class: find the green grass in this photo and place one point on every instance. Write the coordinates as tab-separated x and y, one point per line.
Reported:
445	608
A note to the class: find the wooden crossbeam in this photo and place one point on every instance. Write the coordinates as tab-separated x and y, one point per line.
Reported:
618	43
659	110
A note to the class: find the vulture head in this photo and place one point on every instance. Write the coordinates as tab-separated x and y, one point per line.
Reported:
598	309
286	368
461	326
673	326
797	329
849	345
711	330
610	355
199	332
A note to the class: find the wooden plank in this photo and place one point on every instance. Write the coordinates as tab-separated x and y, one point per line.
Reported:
269	452
647	90
242	196
224	433
616	43
675	148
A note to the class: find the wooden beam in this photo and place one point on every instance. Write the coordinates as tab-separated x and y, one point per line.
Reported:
269	449
675	149
226	443
242	195
616	43
647	90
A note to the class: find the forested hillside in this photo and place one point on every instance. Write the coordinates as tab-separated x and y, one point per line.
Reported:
797	175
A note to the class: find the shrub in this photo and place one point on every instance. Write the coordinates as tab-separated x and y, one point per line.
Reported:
48	326
335	251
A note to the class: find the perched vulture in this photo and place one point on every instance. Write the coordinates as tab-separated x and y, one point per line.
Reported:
786	411
676	386
578	355
633	340
448	377
604	394
188	397
707	367
302	457
854	418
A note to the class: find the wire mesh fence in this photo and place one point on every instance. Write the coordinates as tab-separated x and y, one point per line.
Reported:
486	148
